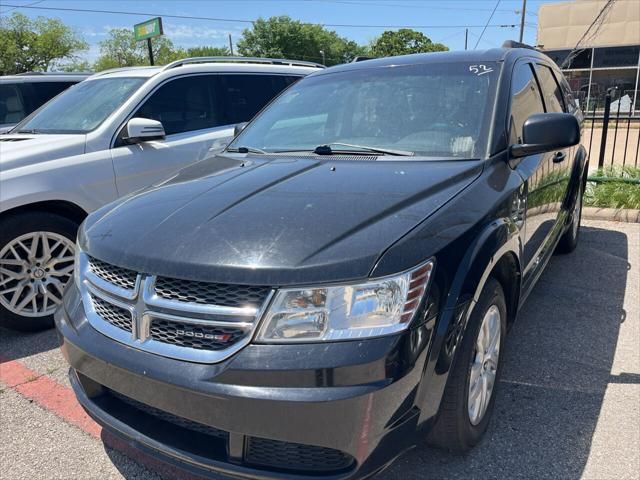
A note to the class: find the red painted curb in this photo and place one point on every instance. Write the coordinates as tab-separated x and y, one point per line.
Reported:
61	401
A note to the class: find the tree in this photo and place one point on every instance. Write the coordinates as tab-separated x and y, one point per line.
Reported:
206	52
403	42
282	37
74	66
35	44
121	49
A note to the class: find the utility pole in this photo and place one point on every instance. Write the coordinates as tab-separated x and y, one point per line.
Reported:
230	45
466	37
524	12
323	59
151	62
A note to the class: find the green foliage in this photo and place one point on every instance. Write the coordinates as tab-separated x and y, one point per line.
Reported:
283	37
615	188
404	42
120	49
35	44
75	66
206	52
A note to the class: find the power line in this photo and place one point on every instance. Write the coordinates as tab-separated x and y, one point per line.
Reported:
238	20
597	23
487	24
22	6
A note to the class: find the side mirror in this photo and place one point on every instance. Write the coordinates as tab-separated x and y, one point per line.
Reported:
143	130
546	132
239	127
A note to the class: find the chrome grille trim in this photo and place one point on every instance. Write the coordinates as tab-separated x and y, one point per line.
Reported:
87	271
145	306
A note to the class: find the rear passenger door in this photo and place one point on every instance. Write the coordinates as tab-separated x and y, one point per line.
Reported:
197	112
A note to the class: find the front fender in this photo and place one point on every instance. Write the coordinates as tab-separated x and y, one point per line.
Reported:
85	180
499	238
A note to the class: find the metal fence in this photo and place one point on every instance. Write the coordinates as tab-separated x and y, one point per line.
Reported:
614	136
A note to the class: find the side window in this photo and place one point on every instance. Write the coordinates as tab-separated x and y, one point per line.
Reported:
12	108
550	89
182	105
41	92
525	100
242	96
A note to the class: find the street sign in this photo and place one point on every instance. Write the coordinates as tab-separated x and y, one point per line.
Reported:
149	29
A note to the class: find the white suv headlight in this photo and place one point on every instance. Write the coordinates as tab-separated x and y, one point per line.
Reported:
342	312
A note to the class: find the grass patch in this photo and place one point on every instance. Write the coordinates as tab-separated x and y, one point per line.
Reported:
614	187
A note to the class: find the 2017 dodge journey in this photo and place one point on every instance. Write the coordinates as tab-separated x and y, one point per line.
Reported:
338	283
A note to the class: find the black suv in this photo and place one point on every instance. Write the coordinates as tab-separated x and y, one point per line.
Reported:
338	283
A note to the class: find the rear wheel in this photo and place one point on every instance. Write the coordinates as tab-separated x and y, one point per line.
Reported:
36	263
469	397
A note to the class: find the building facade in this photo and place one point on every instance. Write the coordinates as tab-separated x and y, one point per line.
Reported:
608	58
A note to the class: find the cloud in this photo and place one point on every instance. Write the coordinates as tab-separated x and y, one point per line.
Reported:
185	34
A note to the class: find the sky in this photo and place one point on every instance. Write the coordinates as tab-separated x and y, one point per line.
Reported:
443	21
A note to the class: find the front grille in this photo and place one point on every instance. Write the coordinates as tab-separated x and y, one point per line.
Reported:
201	337
195	321
169	417
294	456
120	277
220	294
116	316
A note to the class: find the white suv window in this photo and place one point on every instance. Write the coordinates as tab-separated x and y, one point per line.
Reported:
206	101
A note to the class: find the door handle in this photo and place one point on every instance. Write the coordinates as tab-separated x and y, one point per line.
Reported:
559	157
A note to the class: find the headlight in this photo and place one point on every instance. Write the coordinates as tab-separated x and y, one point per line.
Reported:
341	312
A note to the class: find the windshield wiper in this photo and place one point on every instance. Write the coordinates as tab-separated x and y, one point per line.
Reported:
327	150
28	130
246	150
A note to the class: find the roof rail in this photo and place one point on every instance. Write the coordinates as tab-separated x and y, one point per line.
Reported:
122	69
514	44
236	59
361	58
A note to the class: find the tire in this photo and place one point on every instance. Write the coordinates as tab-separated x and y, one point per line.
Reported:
454	428
37	277
569	240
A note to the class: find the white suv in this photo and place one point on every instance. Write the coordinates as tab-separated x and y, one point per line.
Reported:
114	133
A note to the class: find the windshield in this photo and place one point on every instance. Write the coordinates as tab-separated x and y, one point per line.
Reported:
433	110
82	107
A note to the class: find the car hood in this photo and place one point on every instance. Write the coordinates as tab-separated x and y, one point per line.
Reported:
21	149
273	222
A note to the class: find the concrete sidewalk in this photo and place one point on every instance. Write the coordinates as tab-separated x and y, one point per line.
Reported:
568	406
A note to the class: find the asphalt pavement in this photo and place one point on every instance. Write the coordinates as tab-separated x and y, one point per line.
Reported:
568	405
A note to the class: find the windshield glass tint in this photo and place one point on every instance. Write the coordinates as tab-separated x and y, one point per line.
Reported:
435	110
82	107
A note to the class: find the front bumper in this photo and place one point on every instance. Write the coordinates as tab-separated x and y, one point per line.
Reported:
337	411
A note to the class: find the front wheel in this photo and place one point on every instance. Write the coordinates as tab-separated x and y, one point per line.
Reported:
569	240
469	396
36	263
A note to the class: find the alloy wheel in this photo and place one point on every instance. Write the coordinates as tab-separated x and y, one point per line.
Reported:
484	365
34	269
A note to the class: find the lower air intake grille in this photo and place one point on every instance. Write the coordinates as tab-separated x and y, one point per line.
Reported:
201	337
116	316
295	456
169	417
